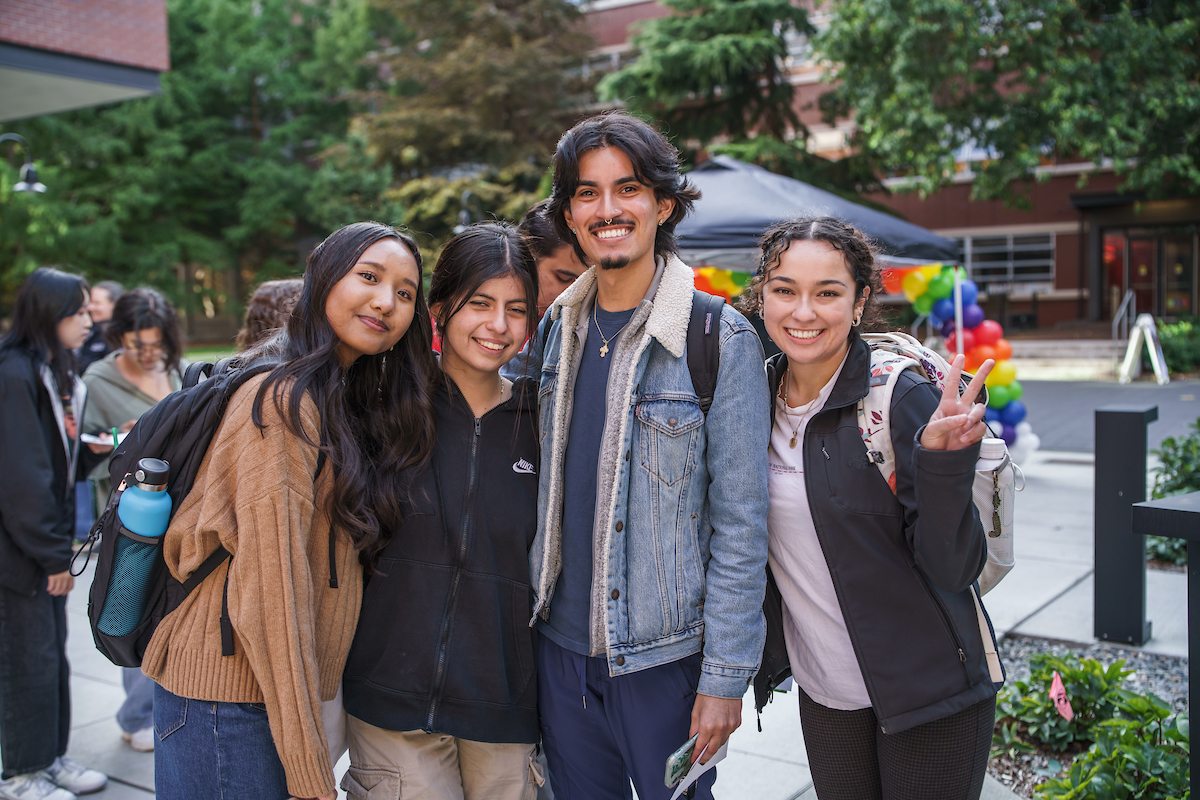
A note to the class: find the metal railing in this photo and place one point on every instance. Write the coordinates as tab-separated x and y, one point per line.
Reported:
1120	323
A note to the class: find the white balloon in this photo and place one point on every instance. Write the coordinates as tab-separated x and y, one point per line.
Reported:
1018	453
1024	428
1035	442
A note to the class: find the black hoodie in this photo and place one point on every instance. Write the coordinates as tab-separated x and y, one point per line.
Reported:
443	641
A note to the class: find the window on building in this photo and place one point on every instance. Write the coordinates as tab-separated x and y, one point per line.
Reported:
1011	258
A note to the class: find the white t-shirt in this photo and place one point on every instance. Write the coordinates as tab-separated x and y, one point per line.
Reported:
818	644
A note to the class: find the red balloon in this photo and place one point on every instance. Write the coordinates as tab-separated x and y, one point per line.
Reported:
893	280
976	357
988	332
968	342
1003	349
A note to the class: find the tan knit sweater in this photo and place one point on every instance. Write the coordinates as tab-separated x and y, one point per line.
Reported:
254	494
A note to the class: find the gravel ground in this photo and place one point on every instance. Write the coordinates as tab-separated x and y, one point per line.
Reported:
1165	676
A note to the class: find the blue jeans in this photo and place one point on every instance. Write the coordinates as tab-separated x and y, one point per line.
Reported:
35	680
137	712
214	751
629	726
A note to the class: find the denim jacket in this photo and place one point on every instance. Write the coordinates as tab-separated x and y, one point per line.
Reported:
680	537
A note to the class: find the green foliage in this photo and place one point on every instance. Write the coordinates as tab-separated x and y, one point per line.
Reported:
712	68
1027	82
1181	344
1141	754
1007	742
1179	459
206	188
1093	689
1172	551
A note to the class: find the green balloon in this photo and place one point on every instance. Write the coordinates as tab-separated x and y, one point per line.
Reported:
941	286
998	396
1015	391
923	304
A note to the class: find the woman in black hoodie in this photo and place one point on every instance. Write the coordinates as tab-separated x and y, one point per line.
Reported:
439	686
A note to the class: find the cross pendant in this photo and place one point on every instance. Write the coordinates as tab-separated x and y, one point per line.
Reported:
603	350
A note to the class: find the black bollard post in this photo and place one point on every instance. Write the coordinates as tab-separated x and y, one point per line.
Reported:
1119	599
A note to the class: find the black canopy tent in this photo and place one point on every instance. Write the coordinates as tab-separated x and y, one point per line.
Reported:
739	201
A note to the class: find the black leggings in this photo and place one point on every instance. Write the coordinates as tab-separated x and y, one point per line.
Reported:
851	759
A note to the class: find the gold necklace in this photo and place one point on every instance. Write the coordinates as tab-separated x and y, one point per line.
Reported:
607	339
803	416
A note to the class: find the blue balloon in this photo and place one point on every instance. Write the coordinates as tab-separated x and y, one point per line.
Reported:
972	316
1013	413
970	293
935	321
1009	434
948	328
944	308
992	415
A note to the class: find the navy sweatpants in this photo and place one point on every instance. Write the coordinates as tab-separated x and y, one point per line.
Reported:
599	732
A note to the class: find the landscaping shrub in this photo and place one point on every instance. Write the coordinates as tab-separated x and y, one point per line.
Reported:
1181	344
1179	473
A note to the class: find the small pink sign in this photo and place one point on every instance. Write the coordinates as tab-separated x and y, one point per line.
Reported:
1058	693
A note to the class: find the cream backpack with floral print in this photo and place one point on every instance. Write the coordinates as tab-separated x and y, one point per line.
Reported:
891	355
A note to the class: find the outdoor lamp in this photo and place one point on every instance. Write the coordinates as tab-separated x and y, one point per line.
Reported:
29	181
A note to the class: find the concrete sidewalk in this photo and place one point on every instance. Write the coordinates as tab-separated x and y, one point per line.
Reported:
1048	594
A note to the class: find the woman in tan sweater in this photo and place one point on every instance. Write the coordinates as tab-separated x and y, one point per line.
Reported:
308	465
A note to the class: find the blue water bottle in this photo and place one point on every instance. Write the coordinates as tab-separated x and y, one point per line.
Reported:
144	511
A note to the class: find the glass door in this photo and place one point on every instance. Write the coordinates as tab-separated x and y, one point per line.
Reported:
1113	254
1143	274
1177	274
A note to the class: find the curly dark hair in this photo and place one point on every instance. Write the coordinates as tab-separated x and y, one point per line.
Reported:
143	309
855	246
655	164
268	310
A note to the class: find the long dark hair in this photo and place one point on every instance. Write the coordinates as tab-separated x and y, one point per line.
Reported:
377	420
655	163
855	246
268	310
143	309
484	251
47	297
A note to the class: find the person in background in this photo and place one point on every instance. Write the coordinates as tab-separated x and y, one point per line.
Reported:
103	298
305	471
874	608
40	393
143	369
268	310
441	695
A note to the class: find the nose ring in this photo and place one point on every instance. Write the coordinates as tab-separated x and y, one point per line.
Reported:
608	222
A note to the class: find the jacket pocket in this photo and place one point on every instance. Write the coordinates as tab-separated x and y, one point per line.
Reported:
546	387
490	655
669	433
855	482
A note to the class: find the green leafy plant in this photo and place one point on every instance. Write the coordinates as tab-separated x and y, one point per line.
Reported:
1172	551
1093	689
1141	754
1181	344
1179	460
1006	741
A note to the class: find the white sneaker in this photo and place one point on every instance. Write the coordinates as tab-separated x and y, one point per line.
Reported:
142	741
74	777
32	786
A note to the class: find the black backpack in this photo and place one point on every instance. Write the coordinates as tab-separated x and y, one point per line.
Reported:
703	345
177	430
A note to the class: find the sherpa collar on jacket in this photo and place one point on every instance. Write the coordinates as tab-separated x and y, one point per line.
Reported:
670	292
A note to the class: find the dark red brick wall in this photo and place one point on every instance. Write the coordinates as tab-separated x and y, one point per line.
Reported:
129	32
611	26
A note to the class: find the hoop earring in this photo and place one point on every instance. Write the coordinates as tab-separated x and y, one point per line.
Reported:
857	320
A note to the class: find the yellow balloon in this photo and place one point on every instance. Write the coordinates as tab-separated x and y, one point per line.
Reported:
914	284
1002	374
930	271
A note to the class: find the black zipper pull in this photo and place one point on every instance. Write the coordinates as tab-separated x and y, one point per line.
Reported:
826	452
961	655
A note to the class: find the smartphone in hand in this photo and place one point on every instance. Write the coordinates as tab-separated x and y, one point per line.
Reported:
679	762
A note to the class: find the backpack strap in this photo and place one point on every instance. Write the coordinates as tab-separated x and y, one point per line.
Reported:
875	410
704	345
196	372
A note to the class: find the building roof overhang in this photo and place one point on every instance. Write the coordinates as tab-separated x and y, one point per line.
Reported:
34	82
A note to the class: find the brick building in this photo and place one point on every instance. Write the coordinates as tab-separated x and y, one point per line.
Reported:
1070	258
57	55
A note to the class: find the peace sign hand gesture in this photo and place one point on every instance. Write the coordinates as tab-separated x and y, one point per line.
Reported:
957	422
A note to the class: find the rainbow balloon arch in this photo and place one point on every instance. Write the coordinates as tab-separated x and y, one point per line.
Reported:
963	328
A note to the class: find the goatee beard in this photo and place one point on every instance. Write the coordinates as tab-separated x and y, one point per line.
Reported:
614	262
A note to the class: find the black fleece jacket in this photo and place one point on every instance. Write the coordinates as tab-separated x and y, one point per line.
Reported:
443	641
903	564
37	497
